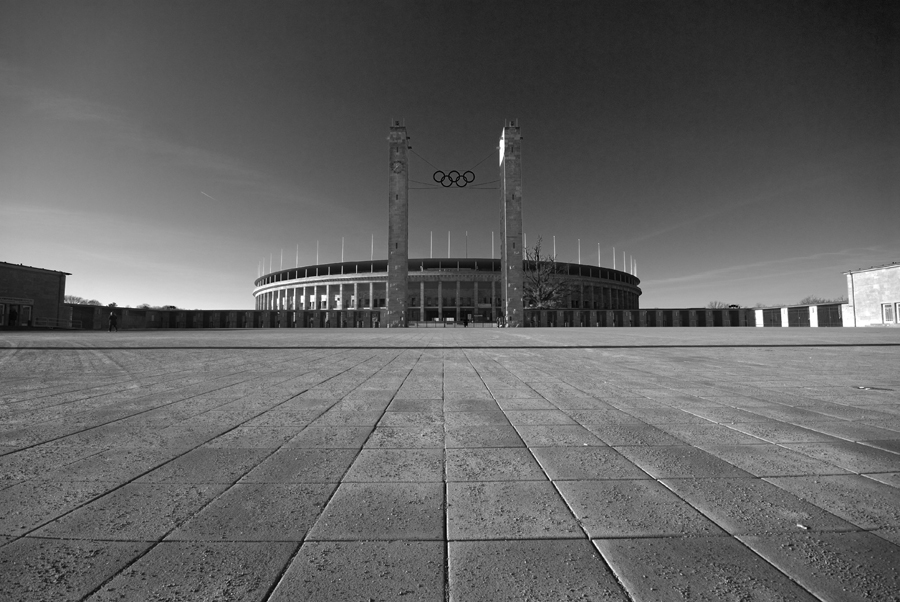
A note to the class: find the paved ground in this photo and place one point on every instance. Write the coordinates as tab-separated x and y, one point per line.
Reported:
469	464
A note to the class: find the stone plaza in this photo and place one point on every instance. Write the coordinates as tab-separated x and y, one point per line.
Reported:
462	464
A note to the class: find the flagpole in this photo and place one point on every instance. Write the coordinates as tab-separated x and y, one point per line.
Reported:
579	251
342	249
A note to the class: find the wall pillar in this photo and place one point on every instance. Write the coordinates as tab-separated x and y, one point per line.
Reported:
398	228
511	269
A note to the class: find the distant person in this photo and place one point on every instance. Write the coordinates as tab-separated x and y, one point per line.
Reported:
327	322
13	317
113	322
466	322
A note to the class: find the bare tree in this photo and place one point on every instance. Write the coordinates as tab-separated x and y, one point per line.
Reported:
76	300
546	282
718	305
814	300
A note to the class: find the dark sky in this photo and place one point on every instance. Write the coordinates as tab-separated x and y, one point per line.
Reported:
738	151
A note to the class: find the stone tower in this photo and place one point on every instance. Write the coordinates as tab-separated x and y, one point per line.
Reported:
511	258
398	227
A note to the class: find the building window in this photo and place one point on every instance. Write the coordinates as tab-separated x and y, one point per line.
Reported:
887	313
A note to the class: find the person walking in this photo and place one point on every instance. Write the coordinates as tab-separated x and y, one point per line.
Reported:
113	322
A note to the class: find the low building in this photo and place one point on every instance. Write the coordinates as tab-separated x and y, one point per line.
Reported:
874	296
31	296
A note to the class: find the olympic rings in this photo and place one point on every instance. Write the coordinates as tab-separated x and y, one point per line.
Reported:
454	177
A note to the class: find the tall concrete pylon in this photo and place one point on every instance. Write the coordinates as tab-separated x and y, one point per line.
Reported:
511	260
398	227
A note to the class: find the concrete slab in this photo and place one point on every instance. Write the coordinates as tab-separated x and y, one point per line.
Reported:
30	504
572	435
396	466
388	437
492	464
54	569
382	511
679	461
696	568
302	465
331	437
494	571
258	512
576	463
838	567
503	435
850	456
754	506
207	465
365	570
771	460
632	508
864	502
633	434
538	417
508	510
200	571
135	512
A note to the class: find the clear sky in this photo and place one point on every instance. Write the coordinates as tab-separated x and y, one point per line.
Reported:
738	151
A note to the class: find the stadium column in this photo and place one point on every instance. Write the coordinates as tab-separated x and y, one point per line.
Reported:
398	228
511	266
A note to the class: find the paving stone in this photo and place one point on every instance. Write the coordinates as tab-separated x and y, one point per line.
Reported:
726	415
382	511
492	464
207	465
771	460
331	437
284	418
888	478
604	416
29	504
255	437
538	417
858	500
632	508
842	567
508	510
754	506
113	465
504	435
709	434
486	404
679	461
465	418
557	435
432	406
525	404
365	570
51	569
530	570
664	416
258	512
299	465
135	512
411	419
849	455
571	463
40	460
779	432
695	568
350	418
200	571
891	445
431	436
633	434
397	466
